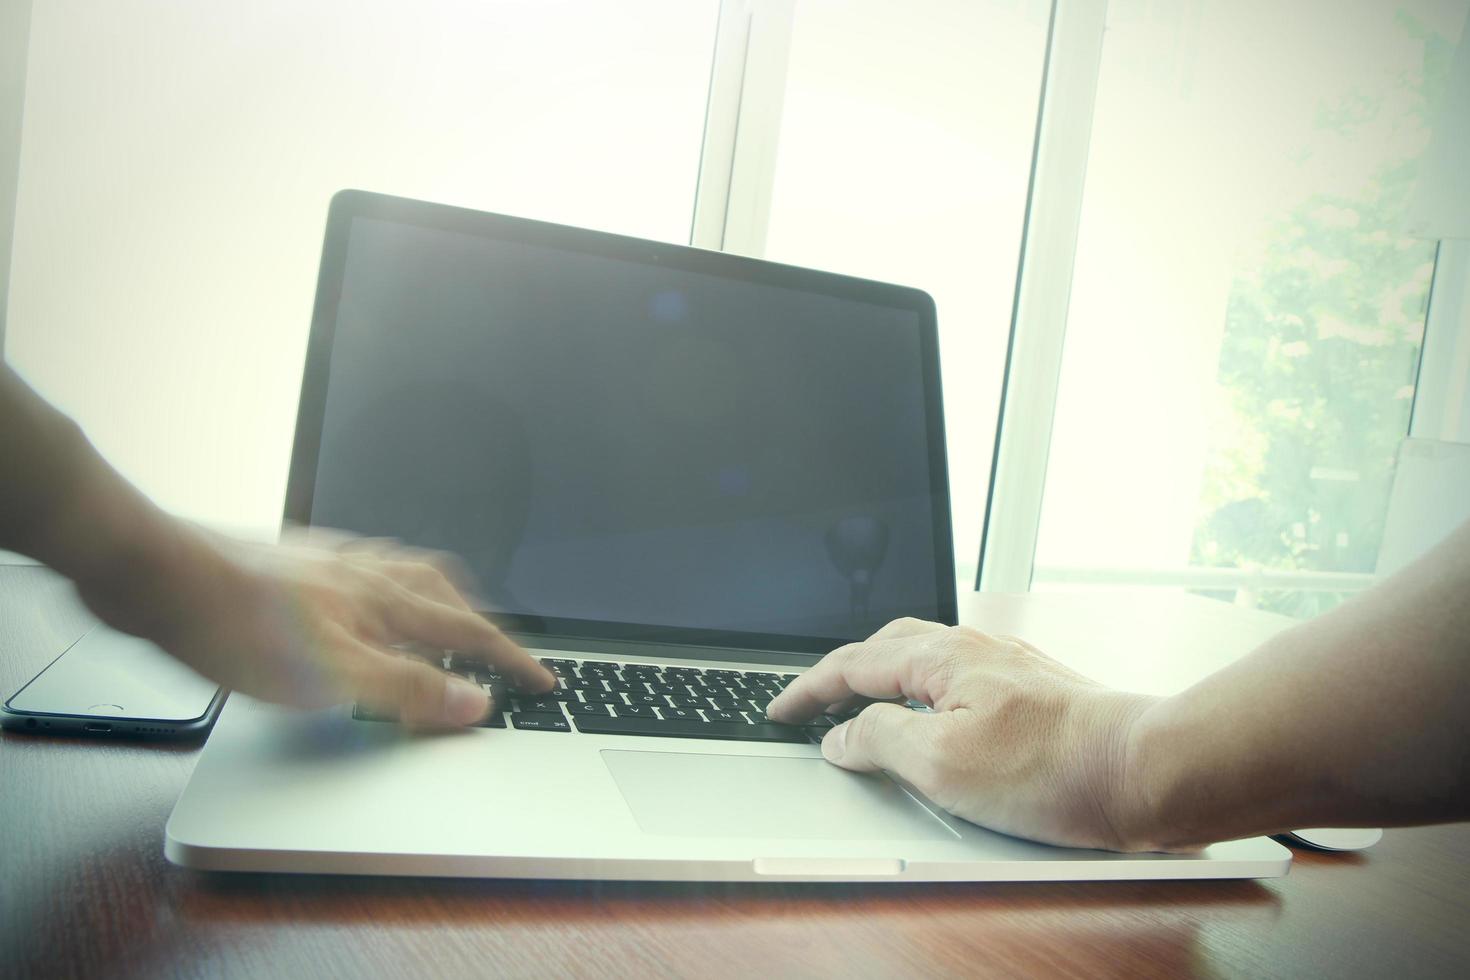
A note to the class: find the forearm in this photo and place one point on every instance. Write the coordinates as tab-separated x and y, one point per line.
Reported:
65	506
1360	717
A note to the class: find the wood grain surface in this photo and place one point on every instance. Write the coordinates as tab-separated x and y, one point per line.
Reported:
85	891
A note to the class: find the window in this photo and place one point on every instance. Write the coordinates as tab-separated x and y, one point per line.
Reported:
1247	305
177	160
904	151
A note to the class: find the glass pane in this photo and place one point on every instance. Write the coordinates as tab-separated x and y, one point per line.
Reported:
177	160
1246	310
904	154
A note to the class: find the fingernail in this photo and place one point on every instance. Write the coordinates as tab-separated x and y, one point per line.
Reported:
464	703
835	743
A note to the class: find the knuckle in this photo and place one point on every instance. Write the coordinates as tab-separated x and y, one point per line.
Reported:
967	636
368	581
1012	645
952	656
966	643
441	565
428	568
843	653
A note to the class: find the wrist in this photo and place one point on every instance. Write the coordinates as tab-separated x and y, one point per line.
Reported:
149	579
1159	810
41	506
1131	805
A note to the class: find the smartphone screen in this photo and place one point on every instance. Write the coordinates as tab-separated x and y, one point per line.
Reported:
112	683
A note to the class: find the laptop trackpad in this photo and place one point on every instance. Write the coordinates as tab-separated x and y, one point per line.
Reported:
682	794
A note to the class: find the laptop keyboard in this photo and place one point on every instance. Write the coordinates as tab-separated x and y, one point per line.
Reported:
601	697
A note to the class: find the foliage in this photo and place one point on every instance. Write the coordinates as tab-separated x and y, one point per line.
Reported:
1317	366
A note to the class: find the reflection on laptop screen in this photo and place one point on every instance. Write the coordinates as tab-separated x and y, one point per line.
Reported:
622	442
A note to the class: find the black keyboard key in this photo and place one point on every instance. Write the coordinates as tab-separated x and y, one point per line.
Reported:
680	728
540	723
680	689
641	670
597	667
460	661
601	697
729	704
652	700
680	702
538	705
723	675
635	711
589	709
686	714
718	715
626	685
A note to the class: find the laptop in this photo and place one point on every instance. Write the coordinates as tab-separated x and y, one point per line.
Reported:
679	477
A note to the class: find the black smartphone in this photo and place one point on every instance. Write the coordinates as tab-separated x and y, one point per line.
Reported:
109	684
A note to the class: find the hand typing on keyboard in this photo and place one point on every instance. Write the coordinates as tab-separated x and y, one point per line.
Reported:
298	624
309	625
1016	741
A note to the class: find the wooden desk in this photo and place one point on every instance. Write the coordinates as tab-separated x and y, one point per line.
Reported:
85	889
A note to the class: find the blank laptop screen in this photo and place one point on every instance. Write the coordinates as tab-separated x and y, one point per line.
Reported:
610	441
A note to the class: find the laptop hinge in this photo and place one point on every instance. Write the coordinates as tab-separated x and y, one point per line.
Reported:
660	651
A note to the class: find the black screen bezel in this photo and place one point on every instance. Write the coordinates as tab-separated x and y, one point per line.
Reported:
348	205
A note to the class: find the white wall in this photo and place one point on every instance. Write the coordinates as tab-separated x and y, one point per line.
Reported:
177	160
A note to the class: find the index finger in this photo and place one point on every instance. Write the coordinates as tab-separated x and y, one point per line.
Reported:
900	666
416	618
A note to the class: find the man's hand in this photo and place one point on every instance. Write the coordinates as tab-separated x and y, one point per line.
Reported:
300	624
1016	742
304	625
